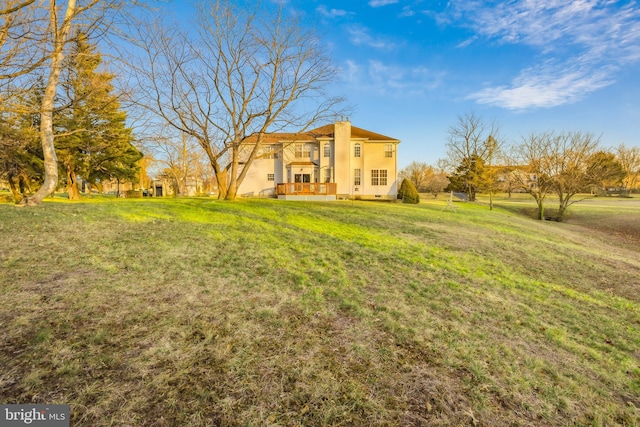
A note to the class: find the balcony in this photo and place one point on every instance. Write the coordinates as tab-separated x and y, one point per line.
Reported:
307	191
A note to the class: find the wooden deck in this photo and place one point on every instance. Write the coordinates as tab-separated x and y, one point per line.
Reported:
306	189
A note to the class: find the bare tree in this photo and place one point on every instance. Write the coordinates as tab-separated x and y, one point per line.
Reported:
556	163
21	50
178	155
425	177
570	157
250	70
530	168
436	181
472	147
59	33
417	173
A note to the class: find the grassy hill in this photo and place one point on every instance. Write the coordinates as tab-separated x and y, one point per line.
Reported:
258	312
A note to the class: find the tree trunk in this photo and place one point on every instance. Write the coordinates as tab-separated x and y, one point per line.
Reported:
540	210
471	192
17	196
563	203
72	184
232	189
562	209
46	137
561	214
221	179
232	192
46	108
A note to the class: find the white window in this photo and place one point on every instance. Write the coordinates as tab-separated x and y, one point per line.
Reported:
375	179
271	177
378	177
327	150
356	150
270	152
302	151
388	150
327	175
357	177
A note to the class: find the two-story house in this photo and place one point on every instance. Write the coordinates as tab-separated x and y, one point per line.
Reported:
335	161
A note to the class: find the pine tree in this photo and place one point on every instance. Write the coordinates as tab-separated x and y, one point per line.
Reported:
93	140
20	148
469	177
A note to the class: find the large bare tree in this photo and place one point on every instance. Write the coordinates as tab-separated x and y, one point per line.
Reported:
570	156
529	169
555	163
60	27
241	71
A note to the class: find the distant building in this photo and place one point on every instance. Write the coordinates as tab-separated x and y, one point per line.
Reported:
333	161
169	187
516	179
112	186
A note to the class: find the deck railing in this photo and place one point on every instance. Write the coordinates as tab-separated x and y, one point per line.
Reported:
295	188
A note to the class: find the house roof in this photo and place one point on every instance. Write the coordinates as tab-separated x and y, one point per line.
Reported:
356	132
326	131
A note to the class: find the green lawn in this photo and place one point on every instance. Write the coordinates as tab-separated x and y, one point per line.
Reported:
195	312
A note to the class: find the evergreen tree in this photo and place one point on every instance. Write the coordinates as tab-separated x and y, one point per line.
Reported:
20	148
469	177
408	192
93	140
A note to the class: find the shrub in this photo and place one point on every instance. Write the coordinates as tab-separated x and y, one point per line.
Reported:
408	192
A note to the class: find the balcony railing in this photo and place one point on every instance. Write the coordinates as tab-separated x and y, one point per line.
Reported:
299	188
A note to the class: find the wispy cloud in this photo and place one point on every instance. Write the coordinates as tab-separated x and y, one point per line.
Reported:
380	3
466	42
547	85
406	12
390	79
332	13
360	35
581	44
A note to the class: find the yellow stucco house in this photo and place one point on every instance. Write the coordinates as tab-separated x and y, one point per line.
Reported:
335	161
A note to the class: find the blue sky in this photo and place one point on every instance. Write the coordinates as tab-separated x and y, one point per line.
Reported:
411	67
